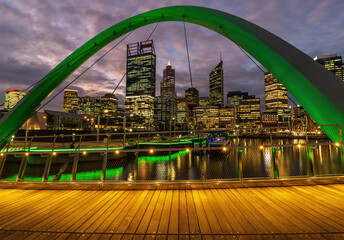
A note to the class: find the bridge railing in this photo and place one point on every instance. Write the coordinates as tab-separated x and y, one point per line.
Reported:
111	139
231	162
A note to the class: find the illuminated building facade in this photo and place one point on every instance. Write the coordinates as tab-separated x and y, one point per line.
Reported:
141	68
165	106
249	112
89	105
182	112
69	96
207	117
276	95
234	98
165	109
216	85
168	83
141	106
192	100
140	85
204	101
12	97
332	63
227	117
109	104
106	105
276	112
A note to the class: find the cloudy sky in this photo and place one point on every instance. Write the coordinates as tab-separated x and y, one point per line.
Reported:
36	35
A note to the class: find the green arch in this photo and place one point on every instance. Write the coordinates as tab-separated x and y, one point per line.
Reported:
318	90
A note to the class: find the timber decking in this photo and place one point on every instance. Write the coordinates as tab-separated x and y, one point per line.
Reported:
171	211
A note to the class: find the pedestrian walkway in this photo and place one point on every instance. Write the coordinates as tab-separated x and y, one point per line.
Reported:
173	211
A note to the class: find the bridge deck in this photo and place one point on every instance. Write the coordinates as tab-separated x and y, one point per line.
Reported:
196	211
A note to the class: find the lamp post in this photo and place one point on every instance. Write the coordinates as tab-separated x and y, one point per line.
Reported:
99	115
171	126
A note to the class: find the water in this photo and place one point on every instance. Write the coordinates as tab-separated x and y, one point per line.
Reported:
289	161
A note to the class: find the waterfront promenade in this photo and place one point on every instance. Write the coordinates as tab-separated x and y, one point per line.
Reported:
301	209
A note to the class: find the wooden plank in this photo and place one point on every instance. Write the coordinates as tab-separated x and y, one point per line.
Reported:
103	219
20	206
319	212
99	213
191	213
166	212
279	209
201	215
279	199
259	220
131	205
239	212
174	217
43	210
112	213
155	219
143	225
214	224
306	210
89	211
57	217
135	214
272	220
116	236
40	205
183	213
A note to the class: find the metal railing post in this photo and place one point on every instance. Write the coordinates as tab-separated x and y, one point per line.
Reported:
48	162
75	167
311	162
274	162
22	168
104	166
169	166
2	163
205	165
135	165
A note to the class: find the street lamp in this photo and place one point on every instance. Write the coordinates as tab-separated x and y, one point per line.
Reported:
171	126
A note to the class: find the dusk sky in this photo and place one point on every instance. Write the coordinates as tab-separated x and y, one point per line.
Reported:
36	35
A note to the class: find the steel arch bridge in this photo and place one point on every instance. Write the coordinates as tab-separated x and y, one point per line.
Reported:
319	91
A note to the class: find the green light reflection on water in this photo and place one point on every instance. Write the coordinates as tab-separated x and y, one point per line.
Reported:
163	158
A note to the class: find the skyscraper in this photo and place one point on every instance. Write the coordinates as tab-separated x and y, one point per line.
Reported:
12	97
192	100
234	98
140	87
68	96
165	106
332	63
216	85
276	95
167	86
276	102
249	112
141	67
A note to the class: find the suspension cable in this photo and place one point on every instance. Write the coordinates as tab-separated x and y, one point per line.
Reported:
88	68
187	51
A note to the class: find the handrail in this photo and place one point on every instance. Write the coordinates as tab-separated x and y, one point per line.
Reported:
183	131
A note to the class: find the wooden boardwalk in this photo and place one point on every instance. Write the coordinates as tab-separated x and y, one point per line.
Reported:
183	211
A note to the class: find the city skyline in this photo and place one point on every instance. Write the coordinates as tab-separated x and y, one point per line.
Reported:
24	66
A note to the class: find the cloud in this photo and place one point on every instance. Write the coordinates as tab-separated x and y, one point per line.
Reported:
35	37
